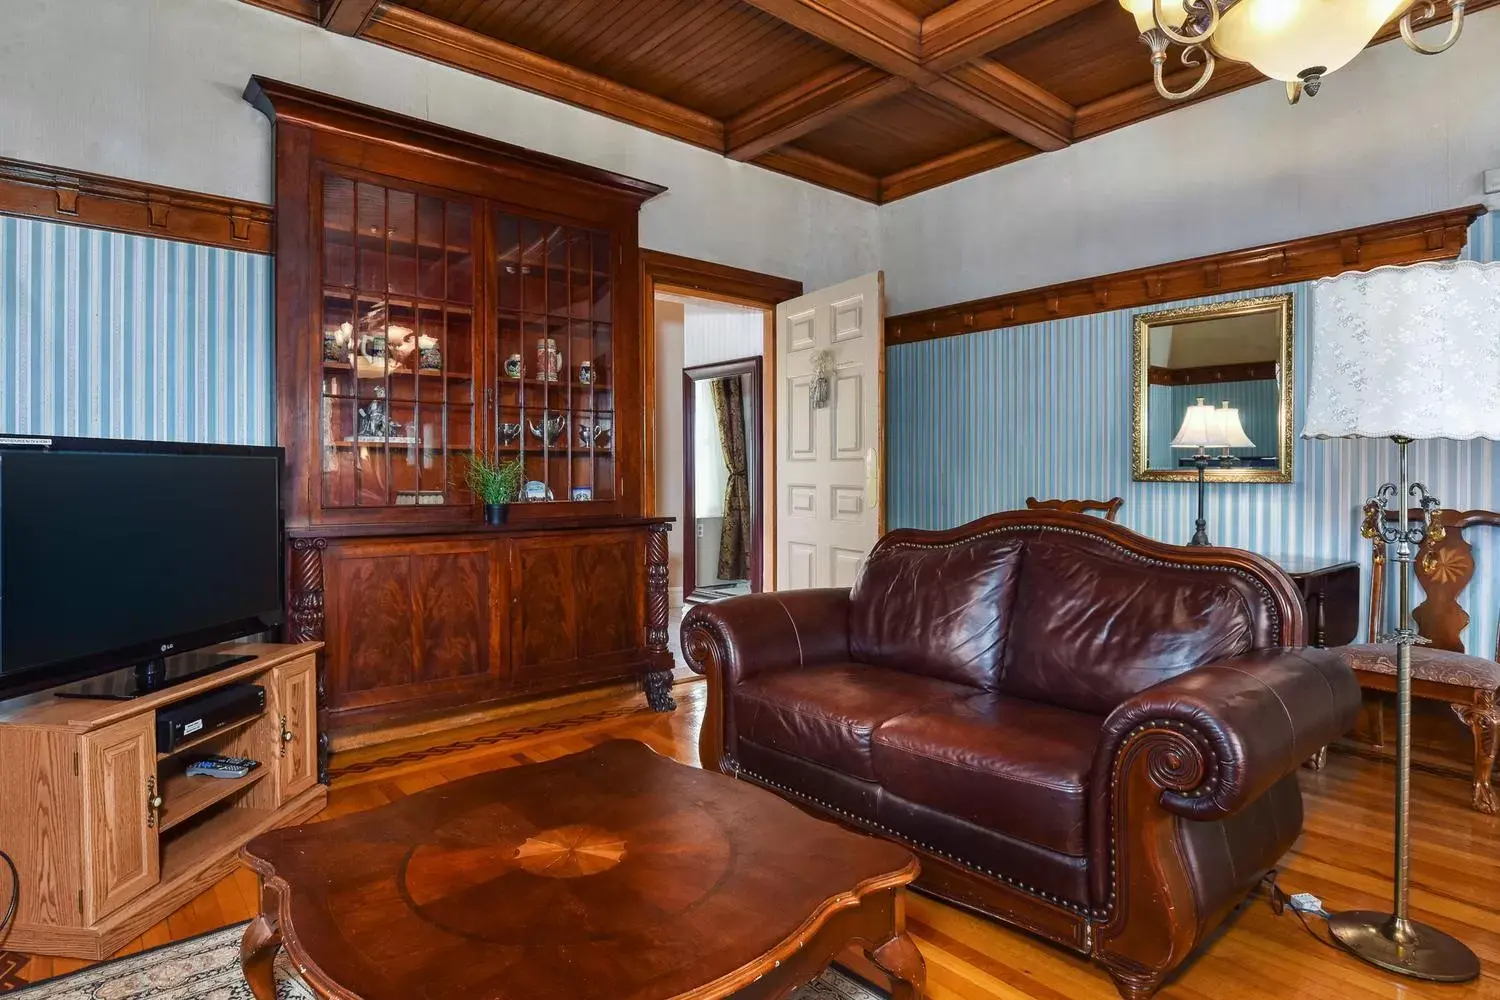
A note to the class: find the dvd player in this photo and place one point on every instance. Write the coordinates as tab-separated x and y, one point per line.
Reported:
193	718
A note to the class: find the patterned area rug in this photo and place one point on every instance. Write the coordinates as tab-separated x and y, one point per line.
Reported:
208	968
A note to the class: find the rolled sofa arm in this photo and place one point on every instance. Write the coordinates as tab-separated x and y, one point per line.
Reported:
1233	728
744	636
732	640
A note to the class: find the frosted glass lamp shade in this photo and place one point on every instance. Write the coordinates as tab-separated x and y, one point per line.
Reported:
1230	428
1200	427
1281	38
1172	13
1406	351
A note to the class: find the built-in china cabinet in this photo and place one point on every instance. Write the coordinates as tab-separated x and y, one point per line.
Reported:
439	293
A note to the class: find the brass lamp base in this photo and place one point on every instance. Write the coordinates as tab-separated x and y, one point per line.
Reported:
1425	952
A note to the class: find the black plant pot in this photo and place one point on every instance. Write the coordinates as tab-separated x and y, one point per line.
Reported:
494	513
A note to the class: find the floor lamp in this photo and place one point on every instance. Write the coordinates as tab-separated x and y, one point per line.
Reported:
1405	353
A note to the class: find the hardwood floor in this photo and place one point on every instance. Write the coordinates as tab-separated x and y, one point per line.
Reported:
1344	857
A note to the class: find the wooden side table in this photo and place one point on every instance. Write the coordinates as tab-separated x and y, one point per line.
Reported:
1330	591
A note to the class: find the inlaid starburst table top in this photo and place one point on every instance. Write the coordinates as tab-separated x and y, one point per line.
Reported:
613	874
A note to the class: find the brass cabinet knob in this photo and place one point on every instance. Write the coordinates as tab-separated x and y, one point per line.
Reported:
153	802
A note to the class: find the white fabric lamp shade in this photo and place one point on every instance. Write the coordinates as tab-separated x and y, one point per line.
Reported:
1200	427
1406	351
1281	38
1231	429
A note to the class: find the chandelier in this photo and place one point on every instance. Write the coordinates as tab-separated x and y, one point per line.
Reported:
1296	41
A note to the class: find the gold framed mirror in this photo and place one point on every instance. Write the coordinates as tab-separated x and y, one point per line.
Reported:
1233	356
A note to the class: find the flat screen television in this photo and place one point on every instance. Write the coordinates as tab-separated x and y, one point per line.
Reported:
121	554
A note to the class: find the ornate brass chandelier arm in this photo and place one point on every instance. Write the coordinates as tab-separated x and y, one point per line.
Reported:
1428	10
1203	31
1190	57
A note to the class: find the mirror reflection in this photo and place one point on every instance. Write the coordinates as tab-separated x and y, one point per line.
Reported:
722	418
1214	388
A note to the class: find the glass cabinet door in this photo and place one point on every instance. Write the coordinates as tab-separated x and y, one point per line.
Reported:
553	380
397	354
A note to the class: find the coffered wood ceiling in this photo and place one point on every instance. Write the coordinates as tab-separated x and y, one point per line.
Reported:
876	98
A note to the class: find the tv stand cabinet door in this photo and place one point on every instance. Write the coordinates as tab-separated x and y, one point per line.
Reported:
121	859
297	733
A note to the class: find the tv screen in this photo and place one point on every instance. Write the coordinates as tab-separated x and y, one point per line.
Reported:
115	552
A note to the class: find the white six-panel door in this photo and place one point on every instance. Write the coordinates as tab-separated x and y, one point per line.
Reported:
828	458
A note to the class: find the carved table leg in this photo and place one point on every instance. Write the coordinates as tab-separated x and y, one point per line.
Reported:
1483	720
658	681
258	949
899	959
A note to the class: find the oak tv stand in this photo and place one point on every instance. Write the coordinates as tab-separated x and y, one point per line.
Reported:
109	836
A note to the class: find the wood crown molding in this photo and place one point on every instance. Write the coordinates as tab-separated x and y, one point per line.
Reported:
1439	236
801	164
125	206
807	107
346	17
935	173
719	279
418	34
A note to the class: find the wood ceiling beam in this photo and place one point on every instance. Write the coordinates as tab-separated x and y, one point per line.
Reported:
808	107
346	17
1008	101
880	32
807	166
968	29
409	31
937	172
889	38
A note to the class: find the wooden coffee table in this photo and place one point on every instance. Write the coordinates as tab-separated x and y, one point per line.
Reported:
612	874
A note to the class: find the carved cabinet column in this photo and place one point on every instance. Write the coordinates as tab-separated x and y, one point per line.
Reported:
658	680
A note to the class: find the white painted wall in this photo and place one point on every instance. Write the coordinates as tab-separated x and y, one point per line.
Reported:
1393	134
150	90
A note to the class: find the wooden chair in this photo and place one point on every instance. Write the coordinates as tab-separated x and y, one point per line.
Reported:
1109	508
1441	670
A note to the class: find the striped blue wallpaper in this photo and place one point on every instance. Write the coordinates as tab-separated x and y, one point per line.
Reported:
109	335
979	422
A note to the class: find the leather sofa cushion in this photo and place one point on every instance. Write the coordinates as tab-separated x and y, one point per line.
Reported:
827	714
940	611
998	762
1091	630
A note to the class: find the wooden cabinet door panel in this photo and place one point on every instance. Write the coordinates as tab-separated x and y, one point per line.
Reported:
411	618
607	587
545	611
451	597
297	707
120	841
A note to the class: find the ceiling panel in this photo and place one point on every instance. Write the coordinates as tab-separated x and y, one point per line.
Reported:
1093	54
922	8
718	57
896	134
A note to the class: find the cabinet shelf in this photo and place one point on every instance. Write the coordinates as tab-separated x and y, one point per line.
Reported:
206	737
219	832
344	366
184	796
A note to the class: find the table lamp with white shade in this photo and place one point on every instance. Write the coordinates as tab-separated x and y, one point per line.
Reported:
1205	427
1405	353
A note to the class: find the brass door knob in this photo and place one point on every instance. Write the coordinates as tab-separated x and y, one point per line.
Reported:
153	802
286	737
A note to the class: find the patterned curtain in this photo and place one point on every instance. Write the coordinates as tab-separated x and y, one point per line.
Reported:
734	541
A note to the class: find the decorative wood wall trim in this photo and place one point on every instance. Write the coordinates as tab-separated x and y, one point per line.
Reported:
1248	371
420	35
302	10
347	17
1439	236
719	279
126	206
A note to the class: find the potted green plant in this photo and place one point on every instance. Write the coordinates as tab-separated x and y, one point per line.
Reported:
496	484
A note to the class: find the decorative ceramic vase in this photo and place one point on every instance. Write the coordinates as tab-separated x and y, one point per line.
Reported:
586	373
548	361
337	343
513	366
429	355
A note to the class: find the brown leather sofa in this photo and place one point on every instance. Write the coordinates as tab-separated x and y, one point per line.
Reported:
1085	733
